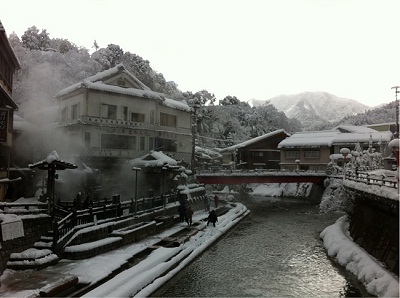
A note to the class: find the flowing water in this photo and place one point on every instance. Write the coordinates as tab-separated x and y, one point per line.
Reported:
274	252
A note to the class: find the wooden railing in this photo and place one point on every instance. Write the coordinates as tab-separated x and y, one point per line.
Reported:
372	179
72	220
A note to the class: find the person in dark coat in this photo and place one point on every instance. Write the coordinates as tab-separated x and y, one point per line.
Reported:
189	215
216	201
182	211
212	217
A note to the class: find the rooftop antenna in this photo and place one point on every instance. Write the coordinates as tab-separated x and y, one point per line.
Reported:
397	111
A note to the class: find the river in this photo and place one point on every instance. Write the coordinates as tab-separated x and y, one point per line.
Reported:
274	252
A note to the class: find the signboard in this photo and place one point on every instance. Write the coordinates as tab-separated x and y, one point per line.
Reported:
3	125
12	229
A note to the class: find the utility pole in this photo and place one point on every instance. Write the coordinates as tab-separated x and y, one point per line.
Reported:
194	132
397	111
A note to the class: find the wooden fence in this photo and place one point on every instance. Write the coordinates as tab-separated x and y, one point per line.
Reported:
373	179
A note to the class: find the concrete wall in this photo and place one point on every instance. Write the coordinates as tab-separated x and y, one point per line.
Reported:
34	228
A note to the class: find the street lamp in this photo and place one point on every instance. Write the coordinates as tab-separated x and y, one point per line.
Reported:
297	161
136	171
397	111
345	152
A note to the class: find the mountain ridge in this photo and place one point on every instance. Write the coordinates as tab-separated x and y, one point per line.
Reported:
314	109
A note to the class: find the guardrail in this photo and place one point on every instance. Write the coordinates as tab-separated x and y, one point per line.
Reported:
372	179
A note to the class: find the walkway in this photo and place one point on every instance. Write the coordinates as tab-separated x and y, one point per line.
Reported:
147	264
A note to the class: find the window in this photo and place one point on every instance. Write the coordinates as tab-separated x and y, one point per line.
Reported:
109	111
125	113
165	144
74	111
151	117
259	154
292	154
167	120
64	112
118	141
136	117
142	143
311	154
86	139
151	143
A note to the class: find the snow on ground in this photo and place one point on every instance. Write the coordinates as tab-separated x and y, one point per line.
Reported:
147	276
377	280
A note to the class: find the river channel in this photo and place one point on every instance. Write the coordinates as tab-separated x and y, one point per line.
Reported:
274	252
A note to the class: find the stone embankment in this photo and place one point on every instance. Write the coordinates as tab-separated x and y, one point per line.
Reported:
374	225
34	228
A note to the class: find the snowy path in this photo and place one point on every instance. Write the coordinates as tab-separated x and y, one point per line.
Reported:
163	263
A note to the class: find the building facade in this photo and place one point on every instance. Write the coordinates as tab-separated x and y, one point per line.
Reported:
112	116
258	153
316	149
8	65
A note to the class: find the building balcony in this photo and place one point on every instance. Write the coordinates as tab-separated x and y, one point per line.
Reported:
128	153
112	123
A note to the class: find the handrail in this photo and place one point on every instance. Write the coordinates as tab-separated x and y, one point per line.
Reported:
63	230
372	179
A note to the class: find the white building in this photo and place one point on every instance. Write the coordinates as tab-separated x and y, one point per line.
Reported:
112	116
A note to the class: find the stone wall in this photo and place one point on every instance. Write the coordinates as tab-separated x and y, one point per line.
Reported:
34	228
374	225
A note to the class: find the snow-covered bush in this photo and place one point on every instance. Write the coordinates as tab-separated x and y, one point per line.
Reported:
335	198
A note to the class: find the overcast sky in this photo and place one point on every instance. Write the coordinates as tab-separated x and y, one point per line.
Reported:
244	48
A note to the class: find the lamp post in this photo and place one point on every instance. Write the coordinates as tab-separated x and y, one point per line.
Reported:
297	161
345	152
136	171
397	111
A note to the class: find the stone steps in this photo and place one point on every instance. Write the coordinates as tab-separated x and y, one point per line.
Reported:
32	258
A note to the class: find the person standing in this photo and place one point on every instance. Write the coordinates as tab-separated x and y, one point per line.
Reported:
207	203
189	215
212	217
216	201
182	212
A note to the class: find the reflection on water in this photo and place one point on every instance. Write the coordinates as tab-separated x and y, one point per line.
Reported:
275	252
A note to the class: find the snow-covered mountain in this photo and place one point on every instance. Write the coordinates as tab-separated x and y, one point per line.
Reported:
315	109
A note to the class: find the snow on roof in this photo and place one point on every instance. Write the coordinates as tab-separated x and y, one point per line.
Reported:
119	68
153	159
96	83
20	124
207	153
331	137
353	128
53	157
254	140
384	136
310	139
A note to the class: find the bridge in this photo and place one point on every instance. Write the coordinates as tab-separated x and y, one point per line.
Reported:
240	177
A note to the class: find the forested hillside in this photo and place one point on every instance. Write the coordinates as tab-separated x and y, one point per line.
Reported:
51	64
383	114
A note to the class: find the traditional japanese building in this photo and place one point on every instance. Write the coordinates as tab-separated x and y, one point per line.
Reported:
314	150
258	153
112	116
8	65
